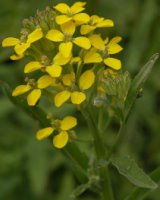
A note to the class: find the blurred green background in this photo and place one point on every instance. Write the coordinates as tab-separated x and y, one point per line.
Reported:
34	170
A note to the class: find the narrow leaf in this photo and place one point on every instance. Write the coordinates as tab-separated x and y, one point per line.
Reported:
141	193
34	112
128	168
138	83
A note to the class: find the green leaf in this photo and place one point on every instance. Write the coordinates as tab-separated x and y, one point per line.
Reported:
128	168
141	193
138	83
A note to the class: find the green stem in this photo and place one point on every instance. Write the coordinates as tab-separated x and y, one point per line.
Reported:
118	139
101	155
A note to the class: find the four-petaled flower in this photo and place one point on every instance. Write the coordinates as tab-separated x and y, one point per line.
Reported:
95	22
75	91
62	127
102	51
67	39
21	45
72	13
34	89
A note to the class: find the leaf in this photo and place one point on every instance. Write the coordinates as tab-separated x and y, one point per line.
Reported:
141	193
34	112
38	165
128	168
138	83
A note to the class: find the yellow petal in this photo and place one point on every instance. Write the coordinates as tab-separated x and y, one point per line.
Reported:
21	89
10	41
59	59
68	79
60	140
92	57
106	40
32	66
85	29
16	57
61	19
62	8
105	23
114	48
81	18
35	35
44	133
116	39
65	49
68	28
45	81
21	48
68	123
54	70
77	97
79	3
61	98
77	7
33	97
97	42
95	19
113	63
86	80
55	35
82	42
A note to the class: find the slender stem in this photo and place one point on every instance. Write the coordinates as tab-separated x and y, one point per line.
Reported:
118	138
101	155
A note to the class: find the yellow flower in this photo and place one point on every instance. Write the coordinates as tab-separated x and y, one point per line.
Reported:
54	69
67	39
95	22
34	89
73	91
62	126
102	51
20	46
71	13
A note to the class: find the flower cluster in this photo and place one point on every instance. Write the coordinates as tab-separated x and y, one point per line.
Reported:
66	52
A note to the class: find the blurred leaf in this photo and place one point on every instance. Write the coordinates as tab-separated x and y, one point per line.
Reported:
66	187
6	107
38	165
141	34
34	112
140	193
128	168
138	83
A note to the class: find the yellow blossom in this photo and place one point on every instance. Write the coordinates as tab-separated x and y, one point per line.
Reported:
95	22
77	96
62	126
71	13
20	46
54	69
34	89
66	38
102	51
